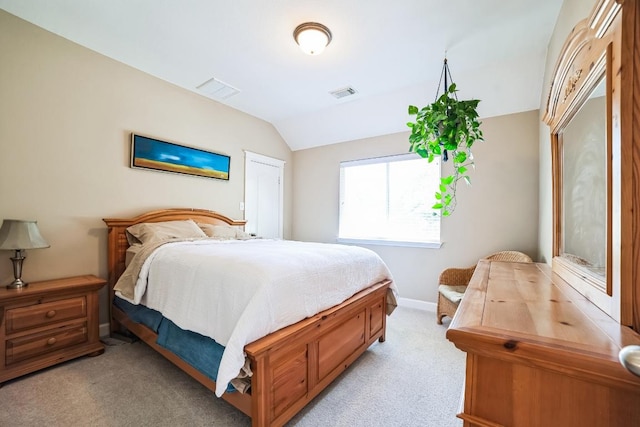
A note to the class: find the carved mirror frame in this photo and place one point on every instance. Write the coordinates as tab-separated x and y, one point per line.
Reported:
600	47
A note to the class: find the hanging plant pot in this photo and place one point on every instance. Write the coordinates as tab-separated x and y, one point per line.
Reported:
446	128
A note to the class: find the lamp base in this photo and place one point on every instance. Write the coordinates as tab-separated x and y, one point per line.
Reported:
17	284
17	261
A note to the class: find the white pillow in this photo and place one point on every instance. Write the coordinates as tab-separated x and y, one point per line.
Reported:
223	232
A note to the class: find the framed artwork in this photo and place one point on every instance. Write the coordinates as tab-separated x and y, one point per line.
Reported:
151	153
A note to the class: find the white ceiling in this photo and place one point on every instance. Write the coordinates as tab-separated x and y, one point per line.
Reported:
391	52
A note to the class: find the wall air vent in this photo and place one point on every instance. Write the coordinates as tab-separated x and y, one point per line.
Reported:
216	89
344	92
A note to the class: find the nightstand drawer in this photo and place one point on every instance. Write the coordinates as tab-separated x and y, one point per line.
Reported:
43	314
19	349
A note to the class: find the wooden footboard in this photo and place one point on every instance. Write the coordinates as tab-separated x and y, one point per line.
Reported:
290	366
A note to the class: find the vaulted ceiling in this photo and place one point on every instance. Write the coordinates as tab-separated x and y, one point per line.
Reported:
390	52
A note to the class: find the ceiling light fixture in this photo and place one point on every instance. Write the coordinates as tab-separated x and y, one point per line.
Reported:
312	37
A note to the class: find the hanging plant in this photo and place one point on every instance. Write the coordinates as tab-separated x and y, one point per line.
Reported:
446	128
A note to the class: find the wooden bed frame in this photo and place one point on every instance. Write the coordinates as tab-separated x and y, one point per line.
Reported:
290	366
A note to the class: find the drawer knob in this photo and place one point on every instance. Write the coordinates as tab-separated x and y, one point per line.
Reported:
51	341
51	313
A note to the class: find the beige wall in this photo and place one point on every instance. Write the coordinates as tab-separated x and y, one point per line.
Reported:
500	210
572	12
66	114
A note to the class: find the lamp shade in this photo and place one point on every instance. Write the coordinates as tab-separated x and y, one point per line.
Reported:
312	37
16	234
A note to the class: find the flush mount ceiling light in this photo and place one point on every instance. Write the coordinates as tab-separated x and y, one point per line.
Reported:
312	37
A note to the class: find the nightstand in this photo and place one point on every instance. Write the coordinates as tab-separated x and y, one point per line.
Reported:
47	323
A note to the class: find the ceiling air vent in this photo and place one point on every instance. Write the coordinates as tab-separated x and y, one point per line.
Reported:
216	89
344	92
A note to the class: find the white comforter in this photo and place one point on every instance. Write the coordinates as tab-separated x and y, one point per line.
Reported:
237	291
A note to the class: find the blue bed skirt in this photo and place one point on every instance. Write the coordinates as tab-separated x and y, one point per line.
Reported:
201	352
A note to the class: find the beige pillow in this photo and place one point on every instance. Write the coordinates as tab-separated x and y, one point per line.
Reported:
159	231
131	252
222	232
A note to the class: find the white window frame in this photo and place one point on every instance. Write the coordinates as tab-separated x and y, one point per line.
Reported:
386	242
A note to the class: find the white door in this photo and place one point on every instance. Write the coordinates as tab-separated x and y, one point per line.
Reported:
263	195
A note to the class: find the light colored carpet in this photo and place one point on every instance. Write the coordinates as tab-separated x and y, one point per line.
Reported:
413	379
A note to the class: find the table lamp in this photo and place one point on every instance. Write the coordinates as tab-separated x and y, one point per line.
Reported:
19	235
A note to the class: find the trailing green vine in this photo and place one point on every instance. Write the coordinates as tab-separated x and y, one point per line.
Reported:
447	128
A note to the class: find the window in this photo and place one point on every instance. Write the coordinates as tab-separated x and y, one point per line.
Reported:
389	199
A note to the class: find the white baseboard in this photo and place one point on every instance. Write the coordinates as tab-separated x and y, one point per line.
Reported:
418	304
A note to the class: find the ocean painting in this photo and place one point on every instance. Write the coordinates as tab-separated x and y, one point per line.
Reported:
150	153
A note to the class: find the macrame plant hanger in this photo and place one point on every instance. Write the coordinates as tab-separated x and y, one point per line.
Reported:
446	75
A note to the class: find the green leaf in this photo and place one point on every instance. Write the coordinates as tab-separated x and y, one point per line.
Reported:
462	170
413	138
451	145
447	180
437	206
460	157
413	110
422	152
466	178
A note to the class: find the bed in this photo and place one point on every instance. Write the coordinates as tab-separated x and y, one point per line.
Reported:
289	366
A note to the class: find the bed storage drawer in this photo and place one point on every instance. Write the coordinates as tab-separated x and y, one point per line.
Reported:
19	349
335	346
33	316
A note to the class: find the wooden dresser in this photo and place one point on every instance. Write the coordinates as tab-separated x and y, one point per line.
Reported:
47	323
540	354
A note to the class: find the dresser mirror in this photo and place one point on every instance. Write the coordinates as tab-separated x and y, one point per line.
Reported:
583	114
583	165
